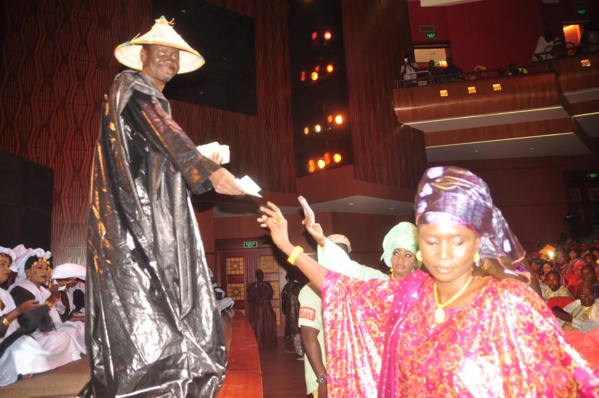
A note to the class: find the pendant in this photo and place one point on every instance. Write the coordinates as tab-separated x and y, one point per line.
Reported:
439	315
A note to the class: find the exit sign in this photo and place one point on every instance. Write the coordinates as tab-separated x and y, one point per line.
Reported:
431	35
250	244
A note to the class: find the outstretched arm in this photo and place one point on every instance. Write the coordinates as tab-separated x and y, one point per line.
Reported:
274	220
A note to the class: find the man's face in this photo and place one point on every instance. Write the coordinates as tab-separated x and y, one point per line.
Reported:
587	295
552	280
160	63
587	274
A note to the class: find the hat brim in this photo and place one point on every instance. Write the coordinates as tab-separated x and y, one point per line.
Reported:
128	54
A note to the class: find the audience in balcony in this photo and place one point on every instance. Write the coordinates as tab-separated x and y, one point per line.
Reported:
452	71
434	71
408	71
513	70
589	40
544	46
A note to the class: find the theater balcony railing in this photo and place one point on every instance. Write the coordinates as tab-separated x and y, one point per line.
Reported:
555	97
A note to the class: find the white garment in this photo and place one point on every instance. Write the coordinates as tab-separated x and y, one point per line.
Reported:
542	51
66	343
410	70
24	356
584	325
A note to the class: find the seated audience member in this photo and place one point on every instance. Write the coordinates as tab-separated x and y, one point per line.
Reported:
452	71
553	286
544	46
561	263
64	341
20	355
70	279
546	267
516	70
573	280
408	71
434	71
587	274
581	314
590	259
573	256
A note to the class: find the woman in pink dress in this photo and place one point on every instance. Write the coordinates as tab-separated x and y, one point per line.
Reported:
473	327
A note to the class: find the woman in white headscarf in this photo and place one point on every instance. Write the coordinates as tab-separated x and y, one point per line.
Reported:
65	342
19	355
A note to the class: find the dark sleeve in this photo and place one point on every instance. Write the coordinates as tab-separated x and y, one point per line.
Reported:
144	112
78	299
33	320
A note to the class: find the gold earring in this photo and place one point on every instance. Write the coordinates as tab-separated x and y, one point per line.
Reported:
476	258
419	256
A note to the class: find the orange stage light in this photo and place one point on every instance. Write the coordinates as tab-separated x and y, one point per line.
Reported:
321	164
303	76
314	35
339	119
317	128
306	130
330	68
314	76
311	166
337	158
327	35
330	118
327	158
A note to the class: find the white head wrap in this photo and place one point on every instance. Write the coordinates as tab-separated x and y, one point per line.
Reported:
8	252
68	270
18	265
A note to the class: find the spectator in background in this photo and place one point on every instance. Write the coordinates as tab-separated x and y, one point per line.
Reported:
452	71
434	71
261	315
408	71
553	286
582	314
589	40
544	46
588	275
291	305
514	70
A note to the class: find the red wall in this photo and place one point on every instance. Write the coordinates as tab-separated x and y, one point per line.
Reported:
492	33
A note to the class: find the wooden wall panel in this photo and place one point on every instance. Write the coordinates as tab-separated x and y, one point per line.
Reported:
376	36
57	62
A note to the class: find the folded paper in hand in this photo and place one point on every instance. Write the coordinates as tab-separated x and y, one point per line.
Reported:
249	186
208	150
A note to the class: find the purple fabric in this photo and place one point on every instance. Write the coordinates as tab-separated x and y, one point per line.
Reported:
455	195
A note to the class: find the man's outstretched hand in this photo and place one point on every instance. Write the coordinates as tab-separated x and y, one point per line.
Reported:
224	182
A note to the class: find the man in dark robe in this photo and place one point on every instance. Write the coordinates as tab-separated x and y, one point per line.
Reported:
153	328
261	315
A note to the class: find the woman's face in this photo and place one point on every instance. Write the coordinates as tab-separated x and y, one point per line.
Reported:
403	262
39	272
4	268
447	251
547	267
573	254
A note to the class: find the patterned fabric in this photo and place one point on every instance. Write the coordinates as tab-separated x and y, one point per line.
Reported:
506	342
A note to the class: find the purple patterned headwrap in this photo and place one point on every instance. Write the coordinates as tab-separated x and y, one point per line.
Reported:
457	196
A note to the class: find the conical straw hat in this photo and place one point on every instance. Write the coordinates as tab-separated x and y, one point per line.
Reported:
161	33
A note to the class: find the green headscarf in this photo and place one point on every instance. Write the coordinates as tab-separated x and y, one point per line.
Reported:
402	236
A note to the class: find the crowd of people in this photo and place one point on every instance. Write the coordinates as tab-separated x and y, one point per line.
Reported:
549	46
42	313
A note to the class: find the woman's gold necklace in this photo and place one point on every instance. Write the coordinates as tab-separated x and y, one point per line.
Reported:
440	312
